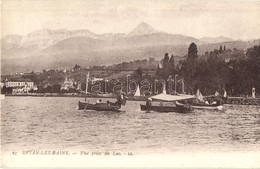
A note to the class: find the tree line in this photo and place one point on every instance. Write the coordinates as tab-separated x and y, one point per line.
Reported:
235	71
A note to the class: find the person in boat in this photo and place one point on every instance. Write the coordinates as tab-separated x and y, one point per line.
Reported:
161	104
148	102
99	101
225	97
214	103
119	99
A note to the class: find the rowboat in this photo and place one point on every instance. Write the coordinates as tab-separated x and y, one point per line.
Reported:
203	103
220	107
206	107
108	106
99	106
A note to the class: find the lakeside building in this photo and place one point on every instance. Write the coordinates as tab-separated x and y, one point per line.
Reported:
76	68
20	85
2	84
35	88
67	84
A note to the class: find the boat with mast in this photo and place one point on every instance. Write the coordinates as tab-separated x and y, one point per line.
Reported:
138	96
214	102
108	106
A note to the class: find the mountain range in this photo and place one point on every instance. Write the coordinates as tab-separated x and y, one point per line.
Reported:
45	48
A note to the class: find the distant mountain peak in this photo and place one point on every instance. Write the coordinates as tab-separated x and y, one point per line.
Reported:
143	24
142	29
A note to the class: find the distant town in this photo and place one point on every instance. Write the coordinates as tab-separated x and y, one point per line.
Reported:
68	81
232	70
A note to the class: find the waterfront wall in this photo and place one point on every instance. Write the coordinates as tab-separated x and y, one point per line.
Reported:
243	101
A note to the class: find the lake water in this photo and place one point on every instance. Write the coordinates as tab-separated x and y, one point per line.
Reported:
46	123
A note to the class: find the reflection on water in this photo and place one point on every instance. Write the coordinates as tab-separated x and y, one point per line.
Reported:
42	123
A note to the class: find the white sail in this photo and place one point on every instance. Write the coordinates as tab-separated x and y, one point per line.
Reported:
216	93
199	95
253	93
225	93
137	92
164	89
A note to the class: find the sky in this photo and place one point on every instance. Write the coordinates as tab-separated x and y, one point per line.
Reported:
235	19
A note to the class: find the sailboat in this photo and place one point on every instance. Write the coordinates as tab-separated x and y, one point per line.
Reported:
108	106
137	95
207	103
137	92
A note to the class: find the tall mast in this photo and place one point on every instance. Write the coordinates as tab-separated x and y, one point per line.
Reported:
87	82
87	77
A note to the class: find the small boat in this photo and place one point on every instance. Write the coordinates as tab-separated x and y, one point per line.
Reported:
206	107
201	102
108	106
172	99
99	106
137	96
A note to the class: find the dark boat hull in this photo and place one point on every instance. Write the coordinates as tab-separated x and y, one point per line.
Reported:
98	106
177	108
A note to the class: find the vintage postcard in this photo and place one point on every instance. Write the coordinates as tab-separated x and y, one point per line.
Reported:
129	83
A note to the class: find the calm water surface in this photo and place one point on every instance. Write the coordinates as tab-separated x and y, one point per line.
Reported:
45	123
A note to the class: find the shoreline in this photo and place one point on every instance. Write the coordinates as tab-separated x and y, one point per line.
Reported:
230	100
142	98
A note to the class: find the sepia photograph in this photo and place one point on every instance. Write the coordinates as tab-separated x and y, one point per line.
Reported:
128	83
